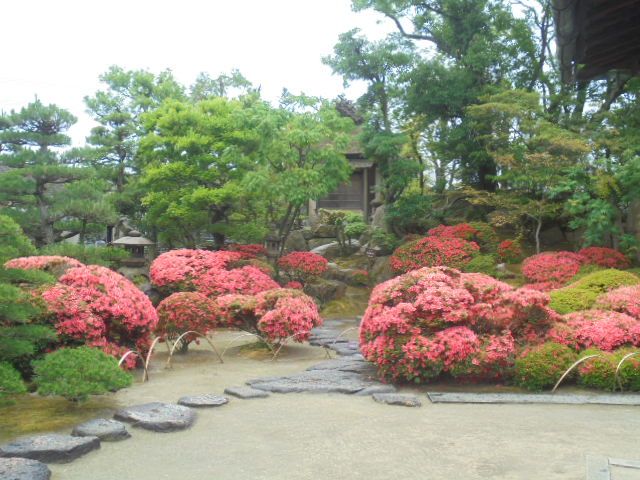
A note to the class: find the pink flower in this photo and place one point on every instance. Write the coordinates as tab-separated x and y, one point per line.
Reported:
556	267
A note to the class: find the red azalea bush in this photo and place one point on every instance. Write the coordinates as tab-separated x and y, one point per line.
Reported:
184	311
432	252
54	264
99	307
275	314
596	328
303	265
246	280
604	257
251	250
623	300
463	231
556	267
293	284
509	251
436	320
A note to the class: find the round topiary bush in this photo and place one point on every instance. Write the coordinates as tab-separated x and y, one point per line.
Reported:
556	267
596	328
101	308
604	257
605	280
186	311
10	380
623	300
463	231
542	366
432	252
54	264
436	320
598	372
567	300
76	373
302	266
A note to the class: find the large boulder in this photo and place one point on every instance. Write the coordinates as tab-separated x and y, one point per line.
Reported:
334	250
323	230
346	275
158	417
378	219
51	448
381	270
296	242
320	242
325	290
23	469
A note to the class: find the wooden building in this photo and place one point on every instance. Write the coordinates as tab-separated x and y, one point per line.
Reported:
595	37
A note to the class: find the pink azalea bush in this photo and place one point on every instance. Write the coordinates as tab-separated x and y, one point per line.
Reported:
439	320
624	300
54	264
596	328
181	312
251	250
552	268
432	252
604	257
302	266
463	231
101	308
509	251
274	314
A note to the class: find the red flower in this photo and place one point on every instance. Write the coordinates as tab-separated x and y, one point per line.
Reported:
557	267
463	231
302	265
248	251
605	257
433	251
184	311
509	251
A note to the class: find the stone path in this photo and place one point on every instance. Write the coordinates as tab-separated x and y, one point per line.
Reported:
602	468
105	429
158	417
52	448
528	398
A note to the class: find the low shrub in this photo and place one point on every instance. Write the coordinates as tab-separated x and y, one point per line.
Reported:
251	250
485	236
598	372
567	300
482	264
463	231
10	380
542	366
629	373
302	266
558	267
604	257
509	251
432	252
76	373
186	311
623	300
54	264
605	280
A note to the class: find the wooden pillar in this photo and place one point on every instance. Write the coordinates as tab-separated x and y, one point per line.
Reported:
365	194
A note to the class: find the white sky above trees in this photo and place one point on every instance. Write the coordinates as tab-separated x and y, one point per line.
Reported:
57	49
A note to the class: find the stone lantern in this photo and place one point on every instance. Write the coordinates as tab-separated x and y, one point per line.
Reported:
134	243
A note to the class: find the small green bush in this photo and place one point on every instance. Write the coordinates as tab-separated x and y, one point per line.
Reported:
482	264
10	380
76	373
605	280
598	372
567	300
105	256
486	237
543	365
629	371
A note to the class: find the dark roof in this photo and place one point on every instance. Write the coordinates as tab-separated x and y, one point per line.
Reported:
596	36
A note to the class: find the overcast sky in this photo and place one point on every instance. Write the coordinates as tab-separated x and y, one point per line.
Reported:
57	49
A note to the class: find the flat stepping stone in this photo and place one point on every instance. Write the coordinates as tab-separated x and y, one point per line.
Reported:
397	399
106	430
245	392
381	388
23	469
525	398
346	365
52	448
158	417
317	381
205	400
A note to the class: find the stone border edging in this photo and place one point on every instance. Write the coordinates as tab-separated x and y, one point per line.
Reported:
534	398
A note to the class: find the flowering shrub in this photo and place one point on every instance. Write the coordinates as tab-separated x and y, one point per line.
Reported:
53	264
623	300
99	307
544	286
246	280
303	265
596	328
509	251
629	371
433	251
361	277
557	267
275	314
252	250
598	372
463	231
261	265
436	320
542	366
604	257
185	311
293	284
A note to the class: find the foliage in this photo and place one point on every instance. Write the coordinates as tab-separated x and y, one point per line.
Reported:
410	213
184	311
556	267
542	366
251	250
596	328
567	300
604	257
435	320
384	240
629	372
76	373
105	256
10	380
433	251
485	236
598	372
303	266
53	264
482	264
509	251
605	280
623	299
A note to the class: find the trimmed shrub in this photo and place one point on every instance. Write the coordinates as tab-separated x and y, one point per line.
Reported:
184	311
629	371
439	320
567	300
251	250
623	300
432	252
463	231
54	264
76	373
88	255
482	264
10	380
604	257
509	251
596	328
557	267
598	372
302	266
605	280
542	366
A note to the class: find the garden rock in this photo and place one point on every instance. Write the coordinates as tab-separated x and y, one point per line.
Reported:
296	242
381	388
23	469
317	381
245	392
324	231
50	448
397	399
206	400
335	250
319	242
158	417
381	271
325	290
106	430
346	365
